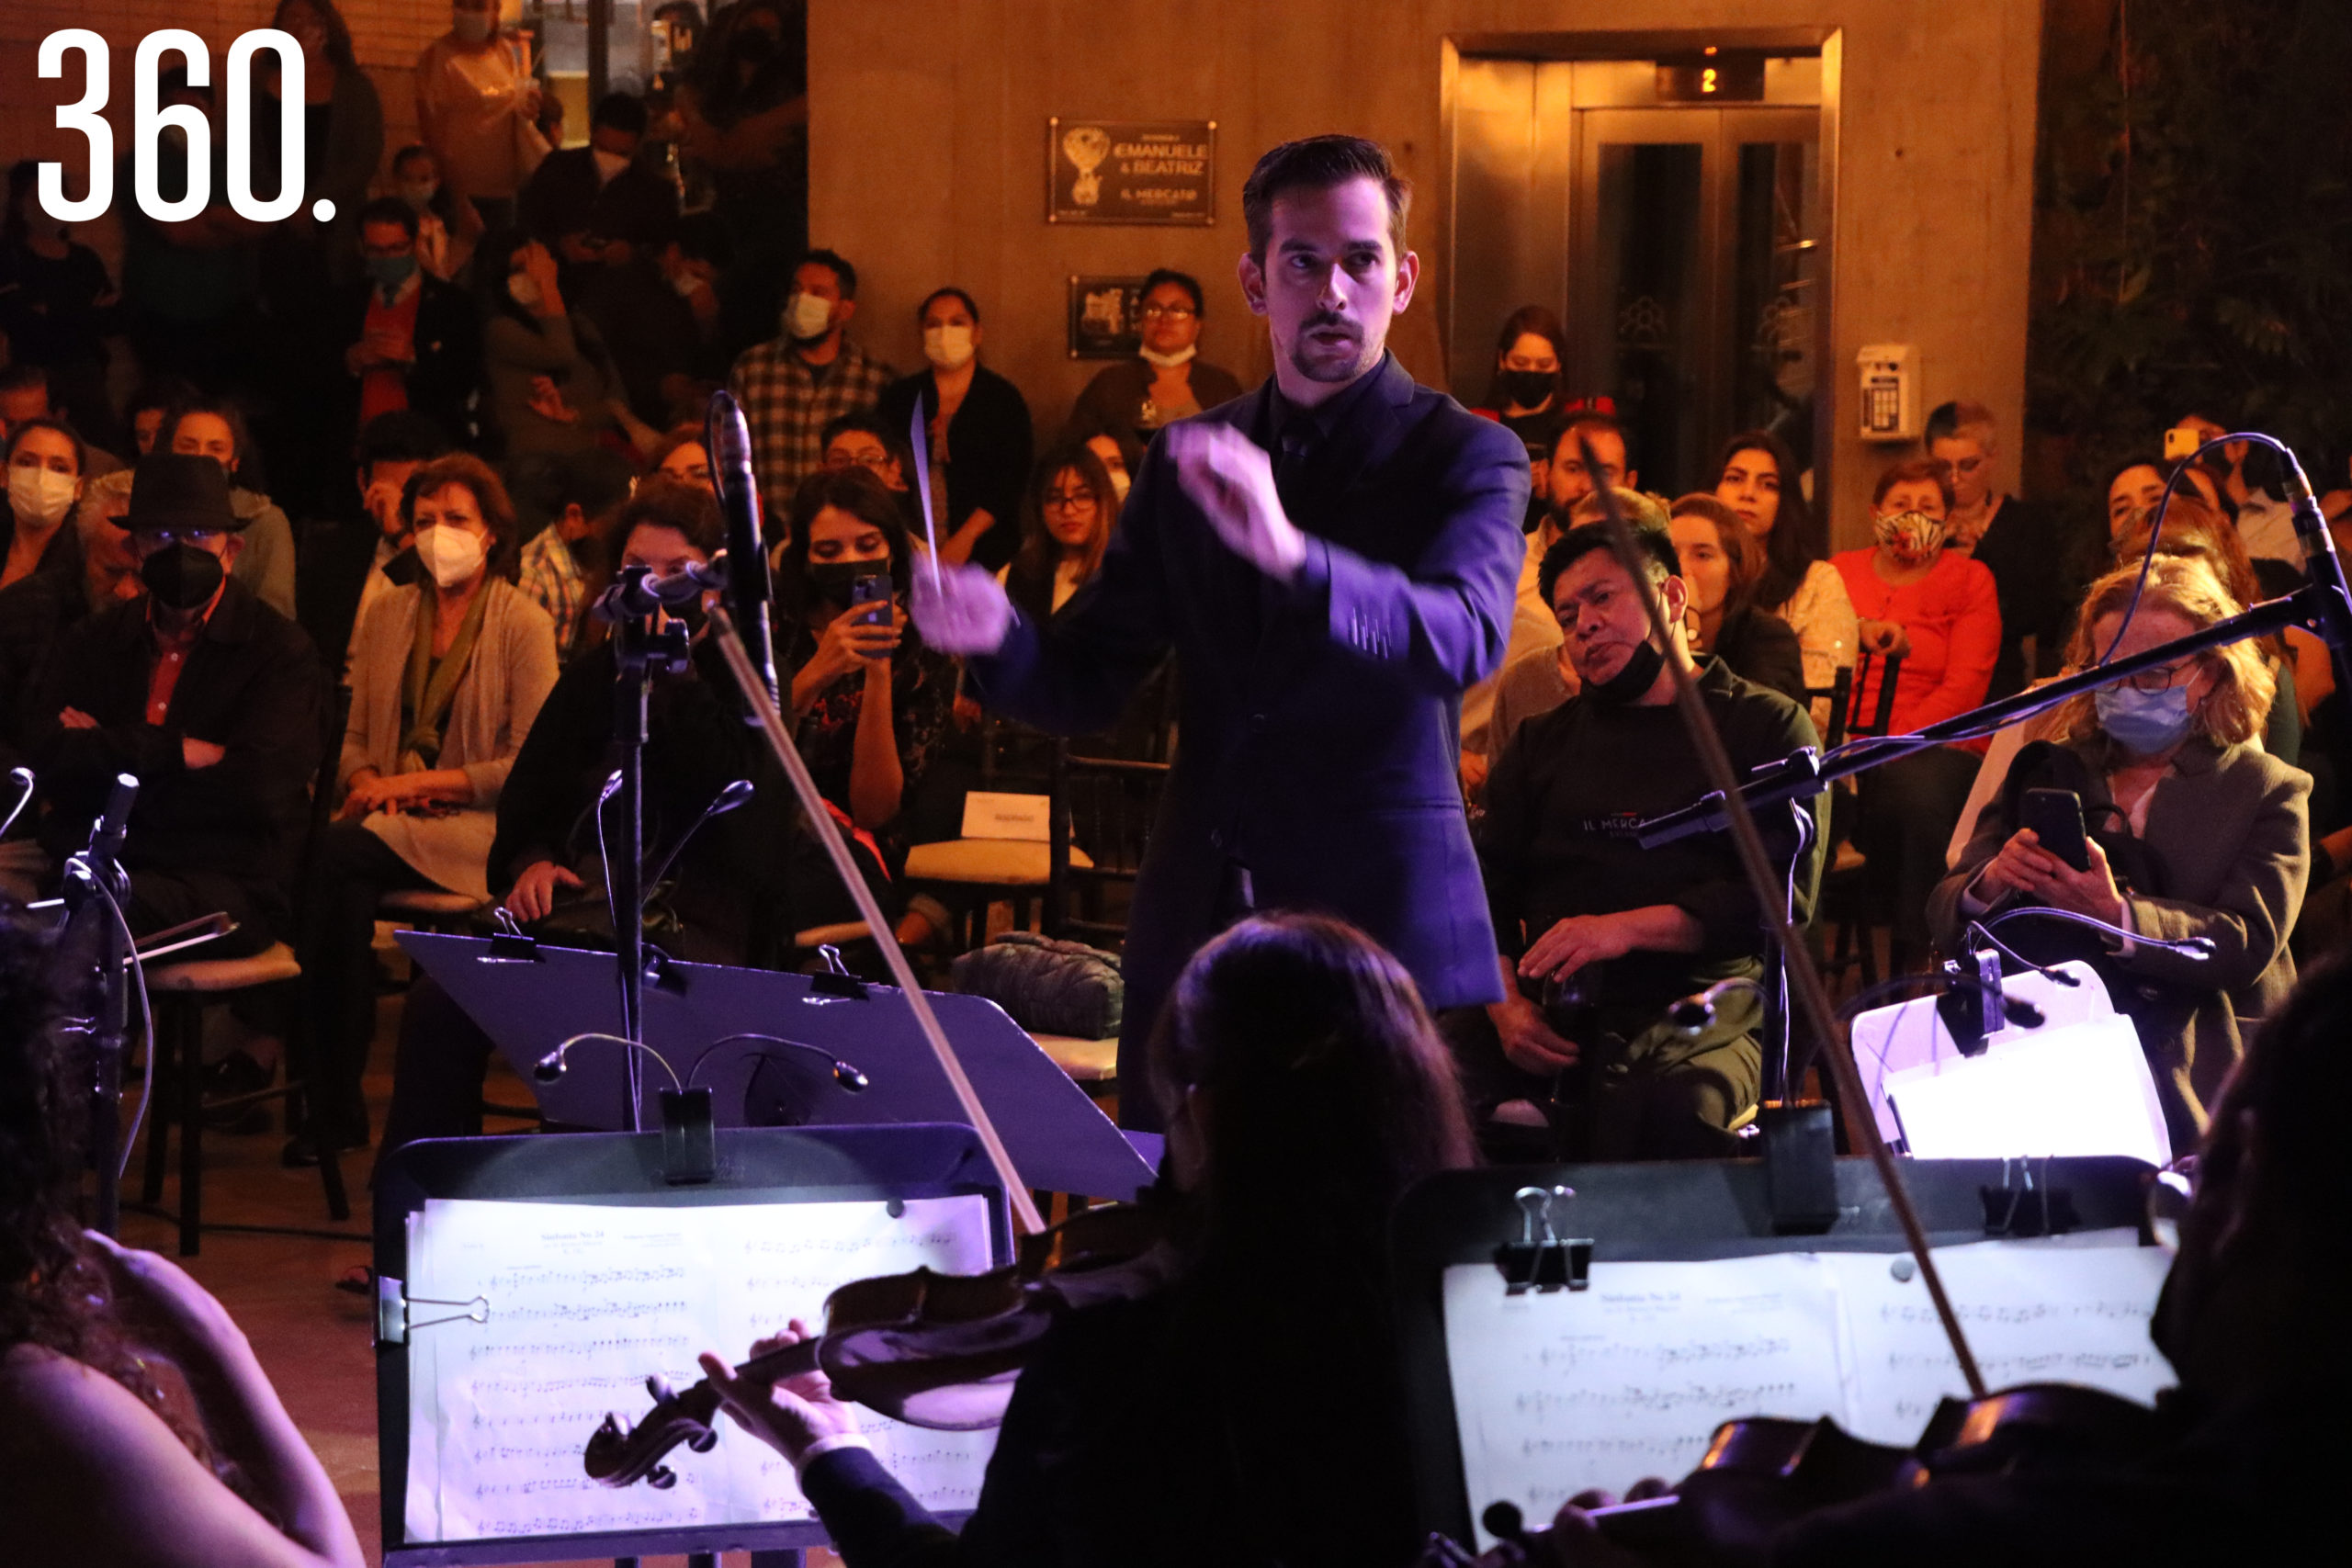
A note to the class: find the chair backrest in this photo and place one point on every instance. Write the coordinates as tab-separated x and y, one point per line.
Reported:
1105	808
1838	693
1890	675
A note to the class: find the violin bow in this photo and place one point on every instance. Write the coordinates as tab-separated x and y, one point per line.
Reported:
1812	991
918	439
829	833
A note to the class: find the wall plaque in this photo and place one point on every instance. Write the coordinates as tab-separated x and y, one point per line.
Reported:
1130	171
1105	317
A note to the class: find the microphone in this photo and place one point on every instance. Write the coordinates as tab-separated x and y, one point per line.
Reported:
106	834
2320	561
735	795
2199	947
728	441
637	592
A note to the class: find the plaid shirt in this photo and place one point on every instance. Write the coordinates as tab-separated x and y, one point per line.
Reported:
788	408
552	579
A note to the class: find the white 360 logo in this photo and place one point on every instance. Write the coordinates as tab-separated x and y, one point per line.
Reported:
148	122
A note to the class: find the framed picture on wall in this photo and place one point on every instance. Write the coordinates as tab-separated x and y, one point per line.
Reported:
1105	317
1131	171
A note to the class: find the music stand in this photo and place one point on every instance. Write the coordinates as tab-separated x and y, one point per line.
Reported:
530	997
1691	1211
756	1166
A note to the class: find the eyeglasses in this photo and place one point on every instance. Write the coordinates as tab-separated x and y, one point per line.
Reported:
1169	313
2162	678
876	461
161	539
1068	500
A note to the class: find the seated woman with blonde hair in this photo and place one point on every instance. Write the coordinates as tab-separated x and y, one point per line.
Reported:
2193	831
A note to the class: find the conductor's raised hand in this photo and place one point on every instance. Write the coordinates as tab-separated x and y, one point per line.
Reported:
790	1414
965	614
1231	480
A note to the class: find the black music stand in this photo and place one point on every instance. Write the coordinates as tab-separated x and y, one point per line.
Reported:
755	1165
530	997
1689	1210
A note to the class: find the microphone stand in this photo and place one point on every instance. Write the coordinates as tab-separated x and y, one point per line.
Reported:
640	650
94	883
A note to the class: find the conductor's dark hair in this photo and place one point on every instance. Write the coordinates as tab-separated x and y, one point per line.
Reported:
1321	162
1655	544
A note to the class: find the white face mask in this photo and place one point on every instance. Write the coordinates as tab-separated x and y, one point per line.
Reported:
608	164
524	289
451	555
419	194
807	317
41	496
950	348
1170	361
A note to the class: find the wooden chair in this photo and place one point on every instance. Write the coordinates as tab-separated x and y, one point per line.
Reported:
1107	807
1848	904
177	997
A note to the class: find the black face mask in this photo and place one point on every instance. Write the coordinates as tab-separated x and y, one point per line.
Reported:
182	577
1528	389
835	580
1633	682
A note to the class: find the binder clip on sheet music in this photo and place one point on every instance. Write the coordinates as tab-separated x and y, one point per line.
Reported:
1545	1262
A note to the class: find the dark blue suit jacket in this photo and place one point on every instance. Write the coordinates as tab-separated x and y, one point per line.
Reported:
1320	721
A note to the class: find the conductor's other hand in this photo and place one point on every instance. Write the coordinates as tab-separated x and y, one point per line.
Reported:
1231	480
966	613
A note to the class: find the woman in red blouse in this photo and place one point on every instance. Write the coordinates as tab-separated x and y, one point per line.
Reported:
1937	608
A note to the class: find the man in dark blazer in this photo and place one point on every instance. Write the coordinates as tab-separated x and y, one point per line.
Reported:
401	337
208	696
1327	608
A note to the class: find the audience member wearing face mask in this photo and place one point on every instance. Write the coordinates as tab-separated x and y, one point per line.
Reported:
2194	831
34	617
415	342
597	207
477	109
447	227
977	431
44	468
206	693
446	674
1134	400
546	865
215	428
1940	612
553	388
869	702
793	387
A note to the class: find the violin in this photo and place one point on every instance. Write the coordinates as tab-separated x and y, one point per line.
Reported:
931	1349
1785	1469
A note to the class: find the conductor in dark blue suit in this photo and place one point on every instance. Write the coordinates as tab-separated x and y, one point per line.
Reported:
1333	558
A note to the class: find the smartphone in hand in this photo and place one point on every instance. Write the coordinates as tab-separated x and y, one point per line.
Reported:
2056	818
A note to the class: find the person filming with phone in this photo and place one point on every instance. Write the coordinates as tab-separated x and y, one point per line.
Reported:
869	702
2157	812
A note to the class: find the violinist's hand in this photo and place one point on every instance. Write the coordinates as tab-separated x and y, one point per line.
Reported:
789	1416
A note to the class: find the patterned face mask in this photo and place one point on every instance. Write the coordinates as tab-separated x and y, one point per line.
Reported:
1912	535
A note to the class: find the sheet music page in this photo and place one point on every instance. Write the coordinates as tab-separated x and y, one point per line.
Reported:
1565	1390
583	1302
2071	1309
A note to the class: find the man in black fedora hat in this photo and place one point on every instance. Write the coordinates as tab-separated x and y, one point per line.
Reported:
205	694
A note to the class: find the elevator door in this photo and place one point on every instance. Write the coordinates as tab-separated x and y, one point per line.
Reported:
1698	248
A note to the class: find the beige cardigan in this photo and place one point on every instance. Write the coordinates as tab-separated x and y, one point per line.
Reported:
511	673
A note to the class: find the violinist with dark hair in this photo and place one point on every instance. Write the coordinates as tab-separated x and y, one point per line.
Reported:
2242	1460
1248	1411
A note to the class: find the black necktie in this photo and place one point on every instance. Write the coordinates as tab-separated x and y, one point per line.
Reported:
1295	452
